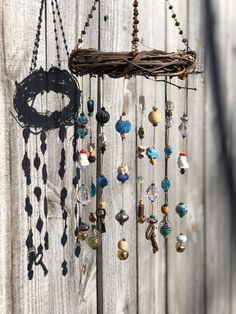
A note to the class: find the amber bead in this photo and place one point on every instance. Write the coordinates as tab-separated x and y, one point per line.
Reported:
165	209
102	204
83	235
92	217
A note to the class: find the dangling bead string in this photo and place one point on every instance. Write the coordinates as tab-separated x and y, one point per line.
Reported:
102	118
140	155
28	206
153	154
43	148
177	24
87	23
62	30
122	126
164	226
56	34
37	38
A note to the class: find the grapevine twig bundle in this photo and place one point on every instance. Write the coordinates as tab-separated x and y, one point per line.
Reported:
152	63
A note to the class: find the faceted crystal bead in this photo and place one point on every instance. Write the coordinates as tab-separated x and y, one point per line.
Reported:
83	195
169	105
152	192
183	127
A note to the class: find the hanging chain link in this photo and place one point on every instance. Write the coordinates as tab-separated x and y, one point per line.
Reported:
135	38
37	38
87	23
55	10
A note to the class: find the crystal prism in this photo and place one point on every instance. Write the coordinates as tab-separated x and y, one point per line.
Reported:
152	192
83	195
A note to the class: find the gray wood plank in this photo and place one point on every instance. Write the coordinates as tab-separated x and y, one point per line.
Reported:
119	277
186	270
5	183
151	267
53	294
220	272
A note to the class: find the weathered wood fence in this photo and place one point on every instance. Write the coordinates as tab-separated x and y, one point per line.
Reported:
203	279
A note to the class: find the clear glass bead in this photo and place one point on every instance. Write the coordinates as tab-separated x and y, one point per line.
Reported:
183	127
83	195
152	192
170	105
169	122
94	238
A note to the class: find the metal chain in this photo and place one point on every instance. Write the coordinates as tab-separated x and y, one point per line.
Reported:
177	24
87	23
135	38
62	29
37	39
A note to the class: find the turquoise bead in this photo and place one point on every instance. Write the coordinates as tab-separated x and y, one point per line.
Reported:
165	184
123	126
152	153
168	150
181	209
102	181
82	119
90	107
165	230
92	191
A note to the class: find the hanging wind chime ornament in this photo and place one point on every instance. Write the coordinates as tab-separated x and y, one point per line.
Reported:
127	64
154	118
123	126
164	226
36	126
141	152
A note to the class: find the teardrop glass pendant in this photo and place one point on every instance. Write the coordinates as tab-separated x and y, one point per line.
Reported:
83	195
152	192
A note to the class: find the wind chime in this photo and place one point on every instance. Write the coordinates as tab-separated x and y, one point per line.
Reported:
90	225
147	64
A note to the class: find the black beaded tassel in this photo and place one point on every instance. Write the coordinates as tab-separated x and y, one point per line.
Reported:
75	183
28	206
43	148
63	196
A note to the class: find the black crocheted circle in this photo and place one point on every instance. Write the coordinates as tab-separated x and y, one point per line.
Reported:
39	82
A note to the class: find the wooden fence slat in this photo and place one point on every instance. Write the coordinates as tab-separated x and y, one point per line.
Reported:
186	270
6	301
151	268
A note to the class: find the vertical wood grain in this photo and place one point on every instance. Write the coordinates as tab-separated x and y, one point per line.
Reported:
119	277
151	267
186	270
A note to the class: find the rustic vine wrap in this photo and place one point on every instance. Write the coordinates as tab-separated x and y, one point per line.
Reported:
126	64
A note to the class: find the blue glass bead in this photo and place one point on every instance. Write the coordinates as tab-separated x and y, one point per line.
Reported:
90	107
122	125
102	181
82	133
82	119
152	153
165	184
168	150
122	177
181	209
92	191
